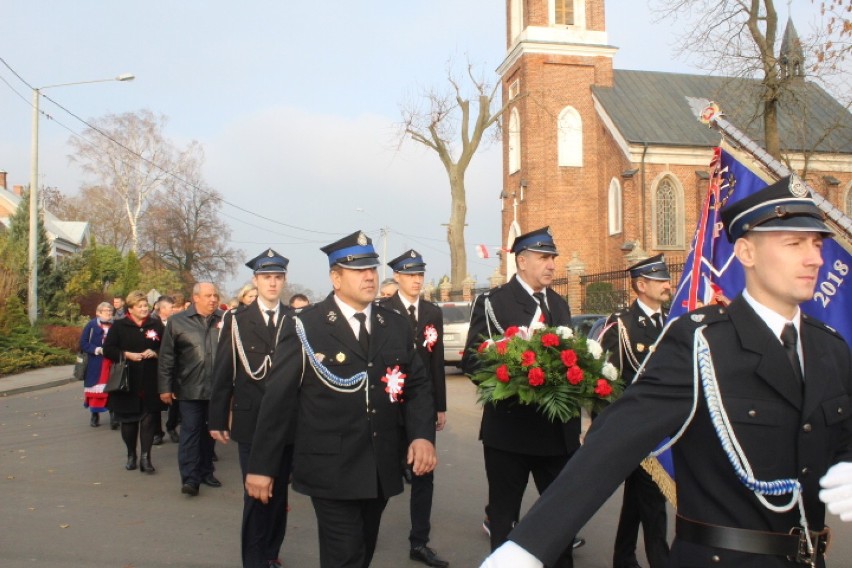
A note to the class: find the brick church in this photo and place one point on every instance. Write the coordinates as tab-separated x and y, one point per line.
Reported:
615	161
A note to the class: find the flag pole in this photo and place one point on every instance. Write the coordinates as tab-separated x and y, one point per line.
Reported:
708	113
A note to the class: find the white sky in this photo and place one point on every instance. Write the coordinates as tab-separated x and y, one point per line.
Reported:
295	103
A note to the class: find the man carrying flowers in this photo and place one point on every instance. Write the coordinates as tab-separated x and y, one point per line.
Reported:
518	439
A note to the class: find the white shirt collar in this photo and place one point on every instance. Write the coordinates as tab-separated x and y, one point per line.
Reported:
406	303
773	319
264	308
648	311
349	313
529	289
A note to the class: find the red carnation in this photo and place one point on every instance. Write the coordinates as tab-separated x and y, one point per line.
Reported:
503	374
528	359
511	332
482	346
502	347
550	340
569	357
603	389
574	375
536	376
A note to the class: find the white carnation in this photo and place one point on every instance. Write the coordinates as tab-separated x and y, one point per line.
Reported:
537	326
609	371
594	348
524	333
565	332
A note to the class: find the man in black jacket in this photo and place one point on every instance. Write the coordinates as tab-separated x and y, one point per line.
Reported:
757	396
427	322
349	370
517	439
243	360
186	374
629	335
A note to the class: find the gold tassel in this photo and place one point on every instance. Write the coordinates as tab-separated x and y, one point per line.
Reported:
662	478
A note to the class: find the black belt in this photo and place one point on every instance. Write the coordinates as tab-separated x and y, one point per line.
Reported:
793	545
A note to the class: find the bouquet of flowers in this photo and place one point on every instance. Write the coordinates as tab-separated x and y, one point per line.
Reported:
549	367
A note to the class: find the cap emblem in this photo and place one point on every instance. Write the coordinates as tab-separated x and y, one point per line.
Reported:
797	186
269	253
362	239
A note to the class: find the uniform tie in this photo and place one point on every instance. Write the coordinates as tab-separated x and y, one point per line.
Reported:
412	314
270	320
363	336
790	339
548	319
657	318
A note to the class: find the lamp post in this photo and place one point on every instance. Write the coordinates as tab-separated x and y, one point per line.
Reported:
33	243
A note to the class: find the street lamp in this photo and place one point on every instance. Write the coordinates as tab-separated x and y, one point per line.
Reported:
33	244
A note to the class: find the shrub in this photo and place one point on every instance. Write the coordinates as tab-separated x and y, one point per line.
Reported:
62	336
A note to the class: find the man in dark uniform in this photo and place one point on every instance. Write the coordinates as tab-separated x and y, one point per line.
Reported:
243	360
753	393
427	322
517	439
629	335
350	370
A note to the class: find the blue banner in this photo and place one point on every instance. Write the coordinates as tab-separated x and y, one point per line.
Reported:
711	269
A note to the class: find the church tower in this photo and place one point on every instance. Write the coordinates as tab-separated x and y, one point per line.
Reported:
556	50
792	56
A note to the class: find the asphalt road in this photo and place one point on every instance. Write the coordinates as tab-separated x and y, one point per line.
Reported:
67	500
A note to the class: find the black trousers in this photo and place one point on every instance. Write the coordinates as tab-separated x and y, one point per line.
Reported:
195	451
508	474
264	526
348	530
642	503
420	508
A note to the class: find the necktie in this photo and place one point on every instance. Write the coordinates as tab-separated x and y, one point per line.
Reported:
657	318
270	321
548	319
363	336
790	339
412	314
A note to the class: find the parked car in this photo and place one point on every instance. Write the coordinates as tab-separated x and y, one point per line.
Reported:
585	323
456	324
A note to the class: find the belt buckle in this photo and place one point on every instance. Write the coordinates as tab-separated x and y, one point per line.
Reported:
820	541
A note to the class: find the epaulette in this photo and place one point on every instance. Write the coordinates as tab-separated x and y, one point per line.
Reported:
819	324
706	315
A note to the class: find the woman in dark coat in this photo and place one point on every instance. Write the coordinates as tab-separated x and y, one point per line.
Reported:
138	337
97	370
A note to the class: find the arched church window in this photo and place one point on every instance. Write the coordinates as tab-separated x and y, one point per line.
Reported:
514	141
614	208
569	135
668	214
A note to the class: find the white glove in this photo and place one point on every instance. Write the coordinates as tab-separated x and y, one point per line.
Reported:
837	490
510	555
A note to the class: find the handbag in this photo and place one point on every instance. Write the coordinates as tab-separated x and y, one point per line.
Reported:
119	377
82	362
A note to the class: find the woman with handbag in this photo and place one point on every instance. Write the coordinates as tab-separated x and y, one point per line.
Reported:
134	341
97	369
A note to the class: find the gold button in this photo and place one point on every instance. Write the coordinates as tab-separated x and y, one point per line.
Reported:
752	413
807	428
715	559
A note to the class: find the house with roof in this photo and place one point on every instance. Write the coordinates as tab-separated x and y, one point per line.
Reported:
66	238
615	161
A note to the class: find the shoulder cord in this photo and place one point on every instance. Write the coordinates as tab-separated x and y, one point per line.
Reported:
329	379
626	346
237	346
491	319
705	372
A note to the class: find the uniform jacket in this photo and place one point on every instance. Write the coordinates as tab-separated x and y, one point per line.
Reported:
347	443
91	338
233	388
508	425
783	432
187	355
641	335
428	314
125	335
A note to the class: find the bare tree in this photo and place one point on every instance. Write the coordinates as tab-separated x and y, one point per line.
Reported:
128	156
453	125
740	38
183	228
104	211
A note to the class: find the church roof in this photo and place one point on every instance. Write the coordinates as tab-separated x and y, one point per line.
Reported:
651	106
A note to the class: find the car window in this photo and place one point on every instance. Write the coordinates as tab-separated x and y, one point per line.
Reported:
456	313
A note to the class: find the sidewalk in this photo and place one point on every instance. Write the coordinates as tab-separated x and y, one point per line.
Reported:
36	379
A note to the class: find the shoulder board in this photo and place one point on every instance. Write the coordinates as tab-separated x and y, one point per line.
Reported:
815	323
706	315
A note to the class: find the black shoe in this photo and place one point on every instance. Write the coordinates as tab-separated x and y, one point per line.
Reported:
211	481
158	439
428	557
189	489
173	436
145	463
578	542
114	425
131	462
95	420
